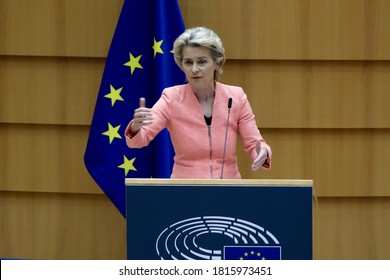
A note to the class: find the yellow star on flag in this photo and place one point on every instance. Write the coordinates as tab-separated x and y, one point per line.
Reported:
112	132
157	47
127	165
114	95
133	63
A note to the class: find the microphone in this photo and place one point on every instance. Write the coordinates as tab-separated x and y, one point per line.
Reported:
227	126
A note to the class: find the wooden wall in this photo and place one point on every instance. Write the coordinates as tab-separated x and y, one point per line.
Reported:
317	75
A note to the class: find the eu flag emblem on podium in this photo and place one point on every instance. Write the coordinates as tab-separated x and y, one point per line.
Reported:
139	64
252	253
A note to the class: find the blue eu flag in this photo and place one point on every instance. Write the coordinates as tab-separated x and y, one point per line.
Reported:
139	64
252	253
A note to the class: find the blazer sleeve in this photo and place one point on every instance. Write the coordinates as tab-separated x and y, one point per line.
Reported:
249	131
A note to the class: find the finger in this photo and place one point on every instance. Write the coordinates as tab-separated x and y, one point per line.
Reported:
258	146
255	166
142	102
146	122
142	112
259	161
144	117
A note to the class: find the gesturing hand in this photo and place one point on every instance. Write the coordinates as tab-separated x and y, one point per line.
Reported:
262	155
142	116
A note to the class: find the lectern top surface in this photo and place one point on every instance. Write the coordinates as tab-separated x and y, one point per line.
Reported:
224	182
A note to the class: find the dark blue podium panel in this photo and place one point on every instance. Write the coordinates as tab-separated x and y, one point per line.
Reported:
219	222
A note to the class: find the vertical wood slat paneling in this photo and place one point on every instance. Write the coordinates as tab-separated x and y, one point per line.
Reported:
315	94
47	90
60	226
44	158
58	28
352	229
344	162
296	29
285	94
274	29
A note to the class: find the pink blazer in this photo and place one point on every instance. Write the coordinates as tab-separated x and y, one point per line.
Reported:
199	149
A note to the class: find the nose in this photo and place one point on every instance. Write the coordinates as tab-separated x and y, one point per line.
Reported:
194	68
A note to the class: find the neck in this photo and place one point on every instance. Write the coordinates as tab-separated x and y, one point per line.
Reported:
204	97
204	94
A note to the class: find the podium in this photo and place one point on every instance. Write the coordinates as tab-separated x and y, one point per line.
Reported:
201	219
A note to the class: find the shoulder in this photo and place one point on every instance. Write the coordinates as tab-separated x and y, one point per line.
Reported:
235	92
176	89
226	87
176	92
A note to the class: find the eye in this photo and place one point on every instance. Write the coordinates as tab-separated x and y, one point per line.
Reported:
187	62
202	61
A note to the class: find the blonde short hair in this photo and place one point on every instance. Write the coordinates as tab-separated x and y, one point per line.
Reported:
201	37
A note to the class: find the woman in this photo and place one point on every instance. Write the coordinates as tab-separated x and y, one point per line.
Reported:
196	114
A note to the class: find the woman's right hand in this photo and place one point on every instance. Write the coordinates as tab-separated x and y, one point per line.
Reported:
142	116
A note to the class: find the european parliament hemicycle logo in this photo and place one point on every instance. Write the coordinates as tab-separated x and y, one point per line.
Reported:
217	238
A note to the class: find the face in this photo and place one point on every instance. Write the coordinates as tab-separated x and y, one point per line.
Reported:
199	67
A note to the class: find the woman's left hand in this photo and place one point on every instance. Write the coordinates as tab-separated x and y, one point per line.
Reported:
262	155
